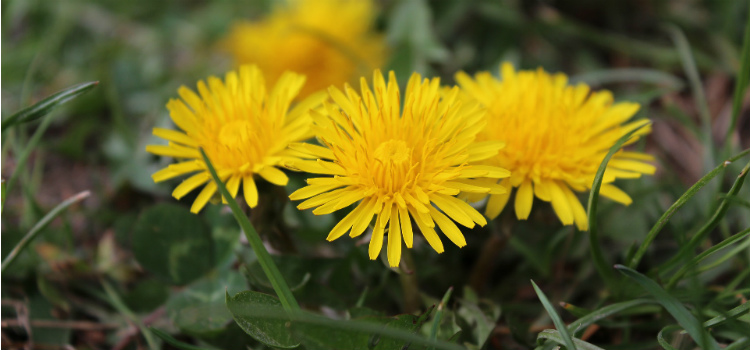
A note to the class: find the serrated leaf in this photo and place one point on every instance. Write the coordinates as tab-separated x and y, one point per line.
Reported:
270	331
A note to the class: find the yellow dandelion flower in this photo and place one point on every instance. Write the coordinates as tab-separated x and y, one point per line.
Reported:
556	137
329	41
399	162
243	128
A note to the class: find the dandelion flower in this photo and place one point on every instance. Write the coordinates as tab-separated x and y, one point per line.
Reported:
556	136
329	41
243	128
397	162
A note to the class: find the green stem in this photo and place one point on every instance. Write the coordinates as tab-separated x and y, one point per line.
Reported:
269	267
677	205
409	283
488	256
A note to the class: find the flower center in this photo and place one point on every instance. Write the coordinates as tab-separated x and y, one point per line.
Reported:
235	134
393	151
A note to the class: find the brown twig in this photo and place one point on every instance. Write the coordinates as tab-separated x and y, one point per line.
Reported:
78	325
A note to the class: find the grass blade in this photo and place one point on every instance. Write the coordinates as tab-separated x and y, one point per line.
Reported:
120	306
45	106
604	312
742	248
662	340
554	335
700	257
688	63
675	308
174	342
739	344
743	79
689	248
730	315
677	205
24	156
40	226
567	340
439	315
269	267
597	255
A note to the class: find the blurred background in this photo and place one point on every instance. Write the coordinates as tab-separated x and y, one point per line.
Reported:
141	51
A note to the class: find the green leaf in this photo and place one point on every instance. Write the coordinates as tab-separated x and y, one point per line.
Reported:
555	336
567	340
146	295
410	30
39	226
378	334
675	308
264	259
405	322
596	250
317	337
272	332
45	106
173	244
199	309
477	317
604	312
174	342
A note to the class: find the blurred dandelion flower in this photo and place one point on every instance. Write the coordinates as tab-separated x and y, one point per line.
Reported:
556	137
329	41
396	164
243	128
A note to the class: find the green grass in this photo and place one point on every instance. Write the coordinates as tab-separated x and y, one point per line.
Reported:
71	269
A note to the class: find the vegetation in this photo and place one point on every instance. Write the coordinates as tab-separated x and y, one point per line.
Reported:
95	255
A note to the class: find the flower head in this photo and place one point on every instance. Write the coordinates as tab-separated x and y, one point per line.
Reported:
397	162
243	128
556	137
329	41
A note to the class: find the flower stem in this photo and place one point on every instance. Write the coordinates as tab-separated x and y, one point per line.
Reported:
488	256
409	283
269	267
